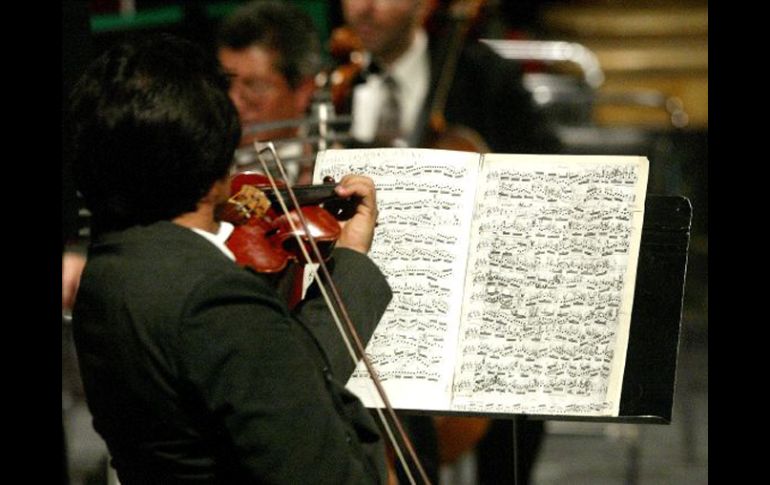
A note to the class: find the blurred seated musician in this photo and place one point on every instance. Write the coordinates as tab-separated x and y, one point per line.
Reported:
194	368
272	52
480	90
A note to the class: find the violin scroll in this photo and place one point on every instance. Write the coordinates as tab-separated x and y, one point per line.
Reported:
248	202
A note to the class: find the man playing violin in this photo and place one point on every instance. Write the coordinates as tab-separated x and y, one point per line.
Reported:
195	370
272	52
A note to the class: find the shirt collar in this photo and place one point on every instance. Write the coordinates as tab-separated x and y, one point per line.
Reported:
412	60
218	239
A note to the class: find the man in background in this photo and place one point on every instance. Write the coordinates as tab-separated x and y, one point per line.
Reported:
485	92
272	52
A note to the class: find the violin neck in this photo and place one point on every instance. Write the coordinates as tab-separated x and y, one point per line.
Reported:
320	194
306	194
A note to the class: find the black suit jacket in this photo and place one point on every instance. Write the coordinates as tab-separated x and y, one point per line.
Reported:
195	371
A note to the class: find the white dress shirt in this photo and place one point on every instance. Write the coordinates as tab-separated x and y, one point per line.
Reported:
218	239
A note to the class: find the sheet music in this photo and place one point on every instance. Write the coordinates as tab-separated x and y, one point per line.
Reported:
512	276
550	285
425	199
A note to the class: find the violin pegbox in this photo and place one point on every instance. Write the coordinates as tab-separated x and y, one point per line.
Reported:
248	202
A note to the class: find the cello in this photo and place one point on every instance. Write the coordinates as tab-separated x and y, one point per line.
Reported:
439	133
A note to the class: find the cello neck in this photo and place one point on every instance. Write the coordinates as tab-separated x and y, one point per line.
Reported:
462	15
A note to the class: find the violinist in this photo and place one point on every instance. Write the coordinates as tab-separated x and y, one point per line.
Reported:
194	369
486	96
272	52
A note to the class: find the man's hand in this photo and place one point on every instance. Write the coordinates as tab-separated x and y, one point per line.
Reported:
358	231
71	268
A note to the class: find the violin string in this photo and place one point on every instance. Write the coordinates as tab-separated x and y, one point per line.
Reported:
341	308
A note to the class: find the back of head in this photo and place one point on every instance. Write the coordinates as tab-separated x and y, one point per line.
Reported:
279	26
150	128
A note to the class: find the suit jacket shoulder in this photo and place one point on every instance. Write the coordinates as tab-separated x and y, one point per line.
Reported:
194	367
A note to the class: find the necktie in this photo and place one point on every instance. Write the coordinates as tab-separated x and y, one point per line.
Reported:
388	126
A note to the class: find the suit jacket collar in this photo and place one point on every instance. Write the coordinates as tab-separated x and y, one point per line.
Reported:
161	235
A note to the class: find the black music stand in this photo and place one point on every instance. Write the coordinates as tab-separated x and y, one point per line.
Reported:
647	395
648	383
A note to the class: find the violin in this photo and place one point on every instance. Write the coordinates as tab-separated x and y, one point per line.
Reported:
252	206
263	238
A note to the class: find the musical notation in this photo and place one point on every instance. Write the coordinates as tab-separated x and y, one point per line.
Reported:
546	284
411	287
405	237
424	206
517	272
411	272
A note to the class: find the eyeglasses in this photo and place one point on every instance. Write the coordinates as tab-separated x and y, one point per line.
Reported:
255	87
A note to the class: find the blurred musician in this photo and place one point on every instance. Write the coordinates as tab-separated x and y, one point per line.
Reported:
271	50
485	97
486	93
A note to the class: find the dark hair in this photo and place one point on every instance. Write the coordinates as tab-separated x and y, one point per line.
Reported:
150	129
282	27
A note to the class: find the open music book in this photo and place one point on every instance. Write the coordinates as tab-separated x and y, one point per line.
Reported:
512	275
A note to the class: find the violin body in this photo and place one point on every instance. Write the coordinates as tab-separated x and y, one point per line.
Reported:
264	239
268	245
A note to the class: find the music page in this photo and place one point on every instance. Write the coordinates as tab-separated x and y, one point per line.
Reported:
550	283
512	275
425	199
